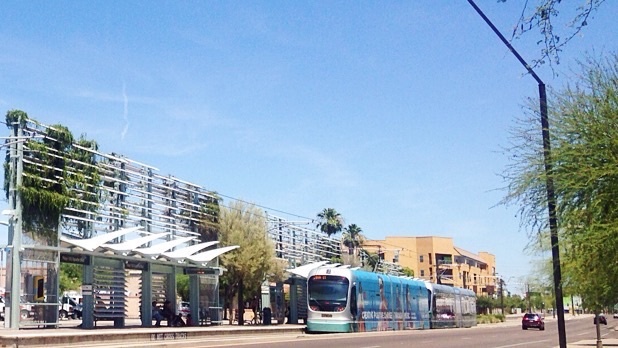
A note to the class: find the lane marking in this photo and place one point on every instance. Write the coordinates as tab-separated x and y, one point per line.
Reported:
522	344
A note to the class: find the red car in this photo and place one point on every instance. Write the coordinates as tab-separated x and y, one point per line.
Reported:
534	320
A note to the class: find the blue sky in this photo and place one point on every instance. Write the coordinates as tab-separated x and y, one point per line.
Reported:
393	113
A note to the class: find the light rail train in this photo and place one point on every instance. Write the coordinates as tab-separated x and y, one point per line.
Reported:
352	300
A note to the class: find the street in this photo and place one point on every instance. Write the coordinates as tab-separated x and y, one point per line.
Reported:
501	335
580	332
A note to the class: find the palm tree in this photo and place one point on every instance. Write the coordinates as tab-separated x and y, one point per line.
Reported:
353	238
329	221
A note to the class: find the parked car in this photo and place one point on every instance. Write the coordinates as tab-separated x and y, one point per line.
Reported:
25	308
534	320
602	319
69	308
615	315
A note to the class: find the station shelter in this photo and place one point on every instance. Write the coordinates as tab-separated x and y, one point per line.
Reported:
119	219
107	269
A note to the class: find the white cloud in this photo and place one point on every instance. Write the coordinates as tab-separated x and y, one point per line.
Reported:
126	111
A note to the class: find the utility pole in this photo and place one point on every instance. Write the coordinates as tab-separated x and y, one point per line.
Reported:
549	181
528	296
502	295
15	230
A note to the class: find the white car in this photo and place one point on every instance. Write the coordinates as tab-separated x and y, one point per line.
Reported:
615	315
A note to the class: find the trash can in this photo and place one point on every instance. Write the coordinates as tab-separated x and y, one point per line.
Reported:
267	316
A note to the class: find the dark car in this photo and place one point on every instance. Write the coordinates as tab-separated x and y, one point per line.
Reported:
534	320
602	319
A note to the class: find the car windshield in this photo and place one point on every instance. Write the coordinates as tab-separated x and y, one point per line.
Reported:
531	316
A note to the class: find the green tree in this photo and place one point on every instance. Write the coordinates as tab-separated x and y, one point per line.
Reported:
247	267
371	260
353	238
485	304
182	286
209	226
407	271
49	184
584	138
330	221
70	277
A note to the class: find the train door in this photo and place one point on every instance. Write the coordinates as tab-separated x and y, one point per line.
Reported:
354	308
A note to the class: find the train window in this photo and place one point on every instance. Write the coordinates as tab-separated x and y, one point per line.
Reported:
328	293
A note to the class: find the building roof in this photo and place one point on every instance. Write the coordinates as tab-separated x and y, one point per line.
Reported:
469	255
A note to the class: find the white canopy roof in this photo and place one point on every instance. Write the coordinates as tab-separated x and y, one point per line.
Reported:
158	249
183	253
207	256
93	243
304	270
129	245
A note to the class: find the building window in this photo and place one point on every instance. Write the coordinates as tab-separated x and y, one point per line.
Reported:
421	258
422	273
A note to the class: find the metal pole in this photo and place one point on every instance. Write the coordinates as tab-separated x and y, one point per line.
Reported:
15	229
549	182
502	295
529	298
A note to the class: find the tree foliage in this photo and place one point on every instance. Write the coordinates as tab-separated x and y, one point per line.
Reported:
584	138
182	286
247	267
353	238
57	174
70	276
555	24
330	221
407	271
209	226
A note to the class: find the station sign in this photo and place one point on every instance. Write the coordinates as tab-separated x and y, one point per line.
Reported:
75	258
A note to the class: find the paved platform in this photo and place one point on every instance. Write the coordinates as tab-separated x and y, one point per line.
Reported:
108	336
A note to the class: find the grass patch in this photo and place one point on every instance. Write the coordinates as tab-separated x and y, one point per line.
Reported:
490	318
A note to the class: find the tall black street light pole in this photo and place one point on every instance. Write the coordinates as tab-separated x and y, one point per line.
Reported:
502	296
549	183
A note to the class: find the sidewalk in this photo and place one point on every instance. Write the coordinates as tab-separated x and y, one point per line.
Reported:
105	335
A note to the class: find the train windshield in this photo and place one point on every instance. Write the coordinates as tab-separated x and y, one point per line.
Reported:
328	293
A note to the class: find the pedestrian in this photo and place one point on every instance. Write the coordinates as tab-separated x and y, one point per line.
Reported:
168	313
156	313
189	320
178	320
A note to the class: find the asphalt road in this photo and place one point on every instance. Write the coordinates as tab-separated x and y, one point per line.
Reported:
502	335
